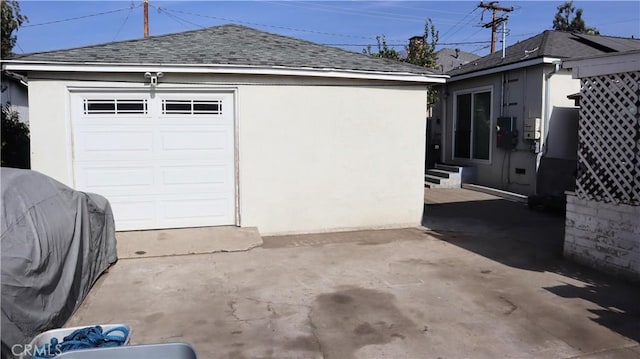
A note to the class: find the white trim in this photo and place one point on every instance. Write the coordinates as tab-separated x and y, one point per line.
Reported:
229	90
604	64
224	69
508	67
454	125
236	129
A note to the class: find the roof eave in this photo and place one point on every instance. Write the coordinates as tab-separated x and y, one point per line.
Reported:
506	67
604	64
17	65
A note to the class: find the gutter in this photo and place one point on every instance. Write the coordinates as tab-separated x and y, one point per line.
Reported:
17	65
507	67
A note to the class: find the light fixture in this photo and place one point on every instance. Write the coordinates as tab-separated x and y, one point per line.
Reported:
153	79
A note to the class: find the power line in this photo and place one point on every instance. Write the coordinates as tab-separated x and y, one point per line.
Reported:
167	12
493	6
80	17
458	23
480	48
125	21
439	44
265	25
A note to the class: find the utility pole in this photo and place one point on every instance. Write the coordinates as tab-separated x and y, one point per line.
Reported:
146	18
493	6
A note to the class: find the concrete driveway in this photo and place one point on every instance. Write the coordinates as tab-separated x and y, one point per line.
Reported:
485	279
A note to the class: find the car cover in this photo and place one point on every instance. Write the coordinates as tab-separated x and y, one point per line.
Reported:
55	243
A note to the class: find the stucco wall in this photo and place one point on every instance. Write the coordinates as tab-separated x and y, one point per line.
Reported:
524	97
336	155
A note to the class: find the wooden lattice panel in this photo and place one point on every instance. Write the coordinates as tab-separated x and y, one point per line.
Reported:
609	139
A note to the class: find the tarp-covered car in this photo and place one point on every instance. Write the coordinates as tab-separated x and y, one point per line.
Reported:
55	243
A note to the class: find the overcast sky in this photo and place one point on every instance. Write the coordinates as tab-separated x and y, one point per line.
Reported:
348	24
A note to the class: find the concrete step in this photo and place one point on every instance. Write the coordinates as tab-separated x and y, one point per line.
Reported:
439	173
516	197
448	168
432	179
440	182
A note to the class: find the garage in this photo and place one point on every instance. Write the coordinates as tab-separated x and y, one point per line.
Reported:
163	161
232	126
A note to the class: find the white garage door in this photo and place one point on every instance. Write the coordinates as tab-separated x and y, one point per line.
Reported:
164	160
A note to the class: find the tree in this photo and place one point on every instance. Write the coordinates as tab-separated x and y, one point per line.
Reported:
15	140
563	21
421	50
11	20
384	51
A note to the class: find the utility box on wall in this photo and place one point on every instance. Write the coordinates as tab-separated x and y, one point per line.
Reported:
532	128
507	134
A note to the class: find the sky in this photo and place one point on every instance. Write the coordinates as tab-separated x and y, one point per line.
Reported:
351	25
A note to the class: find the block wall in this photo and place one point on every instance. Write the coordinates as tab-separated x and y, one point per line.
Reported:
604	236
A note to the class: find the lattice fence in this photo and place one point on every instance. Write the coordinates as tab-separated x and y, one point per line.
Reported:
609	139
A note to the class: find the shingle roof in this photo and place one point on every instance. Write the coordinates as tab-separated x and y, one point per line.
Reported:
551	43
449	59
225	45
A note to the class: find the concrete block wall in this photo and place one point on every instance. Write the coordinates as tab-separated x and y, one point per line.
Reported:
605	236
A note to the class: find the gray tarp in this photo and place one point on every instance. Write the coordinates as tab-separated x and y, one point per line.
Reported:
55	243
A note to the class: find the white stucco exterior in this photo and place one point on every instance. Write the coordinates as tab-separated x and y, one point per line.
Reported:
529	92
312	154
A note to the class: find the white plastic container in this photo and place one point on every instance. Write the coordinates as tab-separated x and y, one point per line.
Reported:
45	338
143	351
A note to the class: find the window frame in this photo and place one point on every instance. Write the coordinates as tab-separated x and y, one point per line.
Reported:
472	92
192	103
116	101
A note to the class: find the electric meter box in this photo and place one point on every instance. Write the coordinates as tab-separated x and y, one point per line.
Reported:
532	128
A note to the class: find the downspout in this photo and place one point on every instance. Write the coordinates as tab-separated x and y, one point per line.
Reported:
443	131
547	112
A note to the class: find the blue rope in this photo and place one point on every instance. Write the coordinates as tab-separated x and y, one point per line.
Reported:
84	338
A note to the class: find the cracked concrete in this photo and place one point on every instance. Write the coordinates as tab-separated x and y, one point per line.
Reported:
502	291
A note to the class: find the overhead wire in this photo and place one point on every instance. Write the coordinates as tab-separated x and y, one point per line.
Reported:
125	21
443	35
79	17
442	44
176	18
266	25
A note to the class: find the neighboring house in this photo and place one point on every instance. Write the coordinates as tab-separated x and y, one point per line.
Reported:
505	117
449	59
232	126
15	93
603	226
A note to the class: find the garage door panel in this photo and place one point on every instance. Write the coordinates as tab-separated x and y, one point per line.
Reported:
202	140
205	206
133	214
97	144
106	177
158	171
213	175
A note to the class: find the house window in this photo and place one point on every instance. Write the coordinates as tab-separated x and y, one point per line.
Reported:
114	107
472	139
191	107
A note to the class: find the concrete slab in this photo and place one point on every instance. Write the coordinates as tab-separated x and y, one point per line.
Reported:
167	242
407	293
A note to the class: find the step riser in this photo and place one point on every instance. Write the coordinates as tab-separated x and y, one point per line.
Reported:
448	168
444	176
447	175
